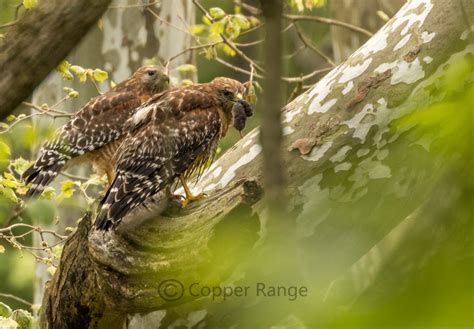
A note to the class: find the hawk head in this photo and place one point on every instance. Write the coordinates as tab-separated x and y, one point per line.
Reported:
229	91
153	78
230	94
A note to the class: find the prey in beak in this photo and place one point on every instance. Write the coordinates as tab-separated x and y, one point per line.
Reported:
240	112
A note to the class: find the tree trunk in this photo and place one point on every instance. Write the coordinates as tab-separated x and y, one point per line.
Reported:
52	28
358	13
339	150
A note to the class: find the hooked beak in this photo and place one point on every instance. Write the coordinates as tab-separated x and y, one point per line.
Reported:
241	134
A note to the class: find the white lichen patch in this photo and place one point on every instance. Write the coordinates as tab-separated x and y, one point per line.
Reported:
317	153
412	15
231	171
348	87
405	72
287	131
427	59
247	142
340	154
345	166
354	71
380	171
427	37
360	122
375	44
362	152
288	116
400	44
216	172
466	33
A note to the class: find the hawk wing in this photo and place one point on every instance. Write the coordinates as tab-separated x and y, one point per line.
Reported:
99	122
154	155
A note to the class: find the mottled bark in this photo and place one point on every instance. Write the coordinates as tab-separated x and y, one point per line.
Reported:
358	13
339	149
38	42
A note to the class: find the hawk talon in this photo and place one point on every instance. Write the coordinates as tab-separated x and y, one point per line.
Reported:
189	198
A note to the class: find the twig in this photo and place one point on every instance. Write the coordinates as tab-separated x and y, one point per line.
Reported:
192	48
18	299
308	44
143	5
8	24
227	41
329	21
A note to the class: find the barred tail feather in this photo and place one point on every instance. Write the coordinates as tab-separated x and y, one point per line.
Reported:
125	194
44	170
40	177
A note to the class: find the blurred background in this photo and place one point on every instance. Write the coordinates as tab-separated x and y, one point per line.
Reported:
406	277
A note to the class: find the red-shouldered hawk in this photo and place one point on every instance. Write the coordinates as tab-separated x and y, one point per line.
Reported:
173	134
95	131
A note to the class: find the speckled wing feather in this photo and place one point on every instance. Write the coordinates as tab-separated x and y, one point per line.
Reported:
156	153
99	122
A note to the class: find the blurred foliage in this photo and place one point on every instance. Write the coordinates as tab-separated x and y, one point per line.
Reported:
18	319
426	282
387	251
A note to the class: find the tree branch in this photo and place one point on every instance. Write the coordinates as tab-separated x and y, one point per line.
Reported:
337	131
38	42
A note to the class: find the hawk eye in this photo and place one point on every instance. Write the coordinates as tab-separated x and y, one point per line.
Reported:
151	73
227	93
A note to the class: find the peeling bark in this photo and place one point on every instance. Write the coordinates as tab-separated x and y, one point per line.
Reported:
352	145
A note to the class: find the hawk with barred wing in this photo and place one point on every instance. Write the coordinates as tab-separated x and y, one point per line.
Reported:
173	134
95	131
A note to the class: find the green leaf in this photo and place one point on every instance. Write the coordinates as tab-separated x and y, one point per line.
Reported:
186	82
11	118
4	151
217	28
228	50
68	187
63	69
196	29
7	323
8	193
24	319
5	310
100	75
186	68
211	53
20	165
216	12
232	29
48	193
51	270
310	4
241	21
57	251
254	21
28	4
206	20
80	72
73	94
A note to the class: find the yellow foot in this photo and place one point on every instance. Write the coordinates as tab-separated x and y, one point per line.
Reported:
191	197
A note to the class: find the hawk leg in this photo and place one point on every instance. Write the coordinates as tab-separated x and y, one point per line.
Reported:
189	196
